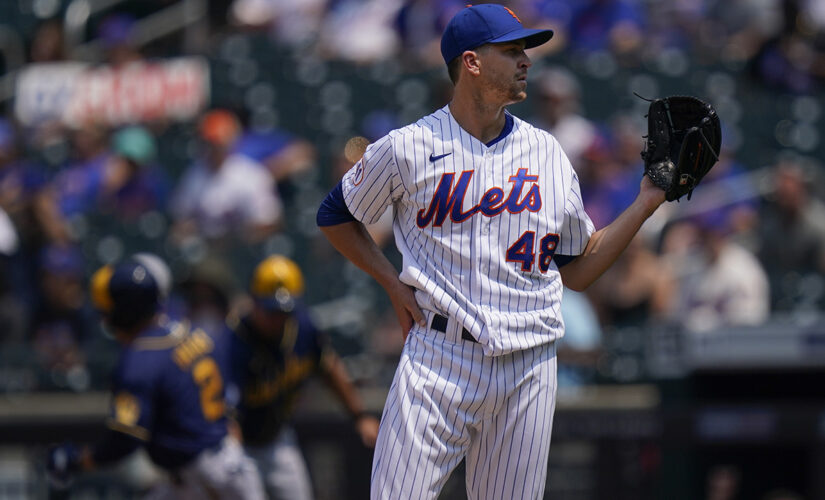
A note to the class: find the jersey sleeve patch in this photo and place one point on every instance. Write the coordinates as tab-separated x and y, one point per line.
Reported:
369	185
126	415
131	407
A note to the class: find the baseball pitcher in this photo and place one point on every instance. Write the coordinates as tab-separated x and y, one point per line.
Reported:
489	220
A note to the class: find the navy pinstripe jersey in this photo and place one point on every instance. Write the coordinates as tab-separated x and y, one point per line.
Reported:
477	224
168	391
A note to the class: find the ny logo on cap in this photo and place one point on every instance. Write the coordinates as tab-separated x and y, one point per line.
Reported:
513	14
508	10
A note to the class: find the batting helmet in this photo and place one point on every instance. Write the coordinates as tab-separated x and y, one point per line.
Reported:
276	283
160	271
125	294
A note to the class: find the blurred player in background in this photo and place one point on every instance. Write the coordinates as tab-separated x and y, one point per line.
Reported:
168	396
275	349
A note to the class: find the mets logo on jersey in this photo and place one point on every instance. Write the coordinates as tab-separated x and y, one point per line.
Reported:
449	199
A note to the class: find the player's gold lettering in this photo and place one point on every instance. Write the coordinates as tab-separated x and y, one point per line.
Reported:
295	371
208	377
195	346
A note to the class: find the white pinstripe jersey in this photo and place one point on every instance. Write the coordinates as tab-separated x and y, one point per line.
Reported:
477	226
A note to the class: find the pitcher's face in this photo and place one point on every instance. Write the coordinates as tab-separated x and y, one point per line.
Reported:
504	70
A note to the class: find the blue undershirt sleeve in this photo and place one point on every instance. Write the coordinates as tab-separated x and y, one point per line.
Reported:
333	209
563	260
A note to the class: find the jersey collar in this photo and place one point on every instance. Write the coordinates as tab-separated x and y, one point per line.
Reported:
164	335
508	127
509	122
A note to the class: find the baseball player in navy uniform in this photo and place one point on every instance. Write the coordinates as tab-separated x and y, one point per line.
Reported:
489	220
167	395
275	349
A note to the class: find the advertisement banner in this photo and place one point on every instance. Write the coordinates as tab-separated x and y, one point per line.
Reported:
76	94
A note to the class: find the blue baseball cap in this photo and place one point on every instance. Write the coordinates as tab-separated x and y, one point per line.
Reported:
477	25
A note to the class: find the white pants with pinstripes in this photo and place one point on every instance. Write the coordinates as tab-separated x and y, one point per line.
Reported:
449	401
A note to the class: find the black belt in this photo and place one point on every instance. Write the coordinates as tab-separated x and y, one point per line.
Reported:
439	323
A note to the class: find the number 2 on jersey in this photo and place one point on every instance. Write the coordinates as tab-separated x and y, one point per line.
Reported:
522	251
206	375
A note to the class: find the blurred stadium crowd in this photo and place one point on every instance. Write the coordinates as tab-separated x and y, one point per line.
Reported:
263	104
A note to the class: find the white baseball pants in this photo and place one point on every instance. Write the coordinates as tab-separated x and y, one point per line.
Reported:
449	401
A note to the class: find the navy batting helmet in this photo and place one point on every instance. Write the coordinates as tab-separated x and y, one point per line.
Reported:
125	294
